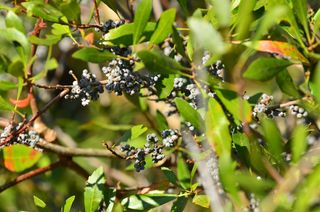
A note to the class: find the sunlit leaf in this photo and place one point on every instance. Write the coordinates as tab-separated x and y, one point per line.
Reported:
164	26
93	192
38	202
141	18
188	113
93	55
68	204
19	157
217	128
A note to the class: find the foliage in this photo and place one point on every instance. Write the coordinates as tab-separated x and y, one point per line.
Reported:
171	105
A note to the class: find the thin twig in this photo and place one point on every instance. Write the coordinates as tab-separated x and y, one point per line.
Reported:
112	151
97	15
30	174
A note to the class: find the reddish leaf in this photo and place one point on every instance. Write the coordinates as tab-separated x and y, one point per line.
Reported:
19	157
21	103
282	49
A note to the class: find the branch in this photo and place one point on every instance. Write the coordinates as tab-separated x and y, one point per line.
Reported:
30	174
97	16
29	123
74	152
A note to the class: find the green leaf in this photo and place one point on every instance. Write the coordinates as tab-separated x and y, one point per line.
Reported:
93	55
299	143
244	18
217	128
227	175
16	68
178	42
316	20
15	36
68	204
133	133
45	11
201	200
165	85
48	41
314	83
157	62
183	172
241	139
211	40
164	26
110	199
6	85
273	138
270	18
263	69
286	84
38	202
123	35
4	105
12	20
19	157
141	18
179	204
184	7
59	29
71	9
93	192
147	201
189	113
161	121
252	183
170	175
300	8
237	106
222	9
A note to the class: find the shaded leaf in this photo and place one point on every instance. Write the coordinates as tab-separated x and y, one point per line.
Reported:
273	138
300	8
161	121
286	84
179	204
227	175
93	55
189	113
93	192
38	202
183	172
157	62
19	157
4	105
265	68
299	142
110	199
314	83
141	18
164	26
170	175
252	183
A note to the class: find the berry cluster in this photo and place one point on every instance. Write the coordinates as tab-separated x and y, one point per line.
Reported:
111	24
299	112
169	50
153	147
263	107
216	69
29	138
87	88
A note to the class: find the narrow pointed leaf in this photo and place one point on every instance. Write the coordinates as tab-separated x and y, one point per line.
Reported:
141	18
